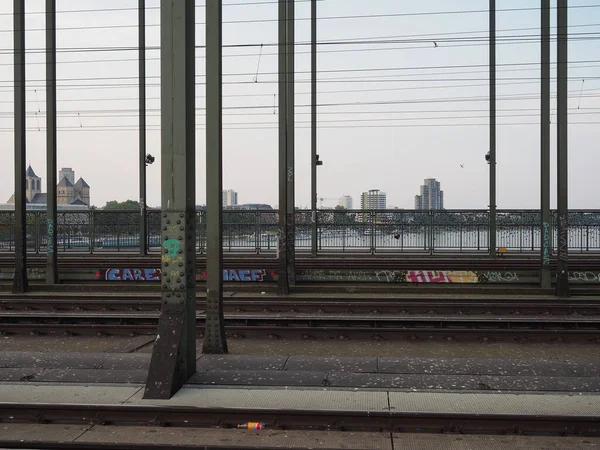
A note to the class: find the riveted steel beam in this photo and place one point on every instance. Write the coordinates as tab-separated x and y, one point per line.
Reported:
51	165
215	341
20	282
562	287
545	232
174	353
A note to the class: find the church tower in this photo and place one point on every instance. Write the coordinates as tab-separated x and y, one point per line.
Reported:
33	184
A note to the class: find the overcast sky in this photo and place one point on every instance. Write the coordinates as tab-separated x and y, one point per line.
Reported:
433	118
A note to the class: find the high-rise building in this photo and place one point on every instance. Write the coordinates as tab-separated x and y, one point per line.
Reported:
346	202
431	197
68	173
230	198
373	199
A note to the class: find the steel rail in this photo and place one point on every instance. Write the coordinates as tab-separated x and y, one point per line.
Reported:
127	414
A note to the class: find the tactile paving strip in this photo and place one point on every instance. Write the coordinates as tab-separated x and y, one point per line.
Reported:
495	403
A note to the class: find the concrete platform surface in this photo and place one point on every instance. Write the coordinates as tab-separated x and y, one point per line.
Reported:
310	399
362	372
275	439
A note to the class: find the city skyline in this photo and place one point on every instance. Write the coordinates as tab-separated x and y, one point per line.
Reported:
390	113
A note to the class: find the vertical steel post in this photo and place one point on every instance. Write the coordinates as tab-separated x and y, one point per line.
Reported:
283	285
174	353
545	279
313	126
215	340
290	147
492	233
51	166
562	287
142	138
20	283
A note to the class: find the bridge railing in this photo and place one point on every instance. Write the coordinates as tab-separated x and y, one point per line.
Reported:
351	231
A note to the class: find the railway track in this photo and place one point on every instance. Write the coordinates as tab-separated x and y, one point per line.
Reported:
308	326
318	304
317	419
394	262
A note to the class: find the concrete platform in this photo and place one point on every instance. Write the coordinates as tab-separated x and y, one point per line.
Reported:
274	439
450	374
309	399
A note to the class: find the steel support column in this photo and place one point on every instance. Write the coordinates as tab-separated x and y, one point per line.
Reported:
20	283
313	126
142	138
545	232
290	147
562	287
283	285
215	340
492	47
51	166
174	354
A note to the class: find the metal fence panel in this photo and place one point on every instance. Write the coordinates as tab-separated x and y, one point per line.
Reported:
256	231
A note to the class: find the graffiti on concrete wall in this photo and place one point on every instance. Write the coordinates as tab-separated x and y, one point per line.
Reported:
498	277
584	277
132	275
352	276
229	275
245	275
442	276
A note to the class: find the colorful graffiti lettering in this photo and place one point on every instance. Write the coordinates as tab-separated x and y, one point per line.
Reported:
172	247
245	275
132	275
421	276
445	276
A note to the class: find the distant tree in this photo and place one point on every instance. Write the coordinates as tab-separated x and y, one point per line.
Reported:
127	204
339	207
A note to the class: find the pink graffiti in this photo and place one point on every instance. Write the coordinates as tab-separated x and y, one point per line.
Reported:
421	276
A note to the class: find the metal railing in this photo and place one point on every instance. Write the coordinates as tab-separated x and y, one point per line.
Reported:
398	231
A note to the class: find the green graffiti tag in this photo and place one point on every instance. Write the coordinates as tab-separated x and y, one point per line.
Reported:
172	249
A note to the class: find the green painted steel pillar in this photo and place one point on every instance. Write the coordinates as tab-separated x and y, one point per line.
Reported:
174	353
313	126
562	93
142	131
492	48
20	282
215	341
290	141
283	283
545	231
51	165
